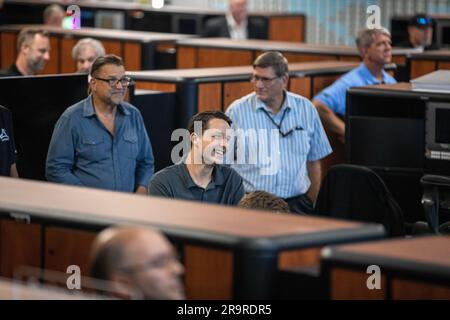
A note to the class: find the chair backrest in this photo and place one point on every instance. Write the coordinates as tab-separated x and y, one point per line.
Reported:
436	197
357	193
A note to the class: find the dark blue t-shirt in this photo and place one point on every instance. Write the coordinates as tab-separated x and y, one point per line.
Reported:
7	148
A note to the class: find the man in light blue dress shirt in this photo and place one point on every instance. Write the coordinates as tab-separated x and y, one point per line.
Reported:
280	139
374	46
101	141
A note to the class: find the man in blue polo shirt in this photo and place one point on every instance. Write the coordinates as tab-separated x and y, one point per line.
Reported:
375	48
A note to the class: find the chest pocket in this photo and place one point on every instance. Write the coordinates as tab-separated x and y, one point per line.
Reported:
93	149
300	142
130	145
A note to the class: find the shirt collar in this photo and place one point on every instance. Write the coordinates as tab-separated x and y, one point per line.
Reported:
287	104
217	177
232	23
89	111
369	75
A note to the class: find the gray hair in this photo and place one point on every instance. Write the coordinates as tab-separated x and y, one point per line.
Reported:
82	43
272	59
26	36
367	36
52	9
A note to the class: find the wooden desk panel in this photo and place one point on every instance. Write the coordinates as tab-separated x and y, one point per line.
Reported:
9	49
132	56
235	90
68	65
200	282
417	268
421	67
279	25
294	52
301	86
299	258
444	65
186	57
209	58
301	57
20	245
350	284
229	252
209	97
418	290
428	61
165	87
53	65
65	247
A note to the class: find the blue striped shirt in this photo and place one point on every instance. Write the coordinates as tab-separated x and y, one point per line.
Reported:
274	163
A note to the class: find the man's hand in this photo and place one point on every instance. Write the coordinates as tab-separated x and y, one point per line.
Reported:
141	190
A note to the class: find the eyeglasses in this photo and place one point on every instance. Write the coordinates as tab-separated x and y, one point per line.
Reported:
158	263
265	81
124	81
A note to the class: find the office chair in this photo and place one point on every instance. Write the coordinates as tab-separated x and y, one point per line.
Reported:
436	196
357	193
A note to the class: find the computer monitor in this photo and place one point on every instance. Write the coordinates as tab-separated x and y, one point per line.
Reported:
437	131
36	104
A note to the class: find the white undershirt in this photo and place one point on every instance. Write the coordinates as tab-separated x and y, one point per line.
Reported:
236	31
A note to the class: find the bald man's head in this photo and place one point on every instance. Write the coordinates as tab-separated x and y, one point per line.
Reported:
137	258
238	9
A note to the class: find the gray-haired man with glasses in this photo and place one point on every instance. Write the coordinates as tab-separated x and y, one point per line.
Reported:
281	138
101	141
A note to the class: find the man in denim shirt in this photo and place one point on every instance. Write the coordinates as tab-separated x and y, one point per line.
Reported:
101	141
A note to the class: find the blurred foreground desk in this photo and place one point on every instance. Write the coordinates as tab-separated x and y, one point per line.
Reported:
227	252
416	268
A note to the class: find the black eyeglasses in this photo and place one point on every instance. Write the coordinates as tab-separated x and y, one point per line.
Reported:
158	263
124	81
265	81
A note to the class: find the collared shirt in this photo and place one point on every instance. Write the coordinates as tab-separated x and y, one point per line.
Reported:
83	152
236	31
334	96
176	182
7	149
265	159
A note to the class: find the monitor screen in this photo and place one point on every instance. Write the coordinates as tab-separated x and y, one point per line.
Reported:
442	132
36	103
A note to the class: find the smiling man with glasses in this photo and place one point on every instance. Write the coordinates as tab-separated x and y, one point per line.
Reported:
288	127
101	141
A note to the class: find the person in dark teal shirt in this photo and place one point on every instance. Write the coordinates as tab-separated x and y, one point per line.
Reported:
201	175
